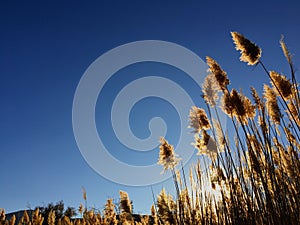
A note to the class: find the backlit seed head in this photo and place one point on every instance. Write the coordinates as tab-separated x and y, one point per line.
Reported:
250	52
219	74
167	157
198	119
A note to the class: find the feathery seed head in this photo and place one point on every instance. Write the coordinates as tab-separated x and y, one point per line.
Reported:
109	210
237	101
272	105
227	105
219	74
25	217
293	112
205	145
210	90
125	204
12	220
219	133
249	107
256	98
198	119
51	218
167	156
37	218
250	52
262	123
282	86
285	50
84	193
238	105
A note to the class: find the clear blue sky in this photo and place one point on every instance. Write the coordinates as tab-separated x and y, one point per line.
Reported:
45	47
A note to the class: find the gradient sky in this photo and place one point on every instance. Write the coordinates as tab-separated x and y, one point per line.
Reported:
45	47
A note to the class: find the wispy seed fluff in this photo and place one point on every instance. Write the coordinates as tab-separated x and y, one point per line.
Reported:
249	107
219	74
198	119
37	217
154	215
256	98
167	156
271	104
285	50
281	84
25	219
262	123
51	218
12	221
238	105
221	140
250	52
293	112
210	90
205	145
83	193
125	208
109	210
125	204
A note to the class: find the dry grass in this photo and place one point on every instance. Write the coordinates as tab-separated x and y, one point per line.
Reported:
254	180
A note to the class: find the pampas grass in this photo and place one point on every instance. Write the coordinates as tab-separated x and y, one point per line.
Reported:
256	180
251	176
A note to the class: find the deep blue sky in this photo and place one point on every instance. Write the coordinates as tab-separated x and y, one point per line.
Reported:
45	47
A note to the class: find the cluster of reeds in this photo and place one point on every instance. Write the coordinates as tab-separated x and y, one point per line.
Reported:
112	214
250	177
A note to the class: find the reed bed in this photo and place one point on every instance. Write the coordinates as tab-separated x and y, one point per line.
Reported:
251	176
